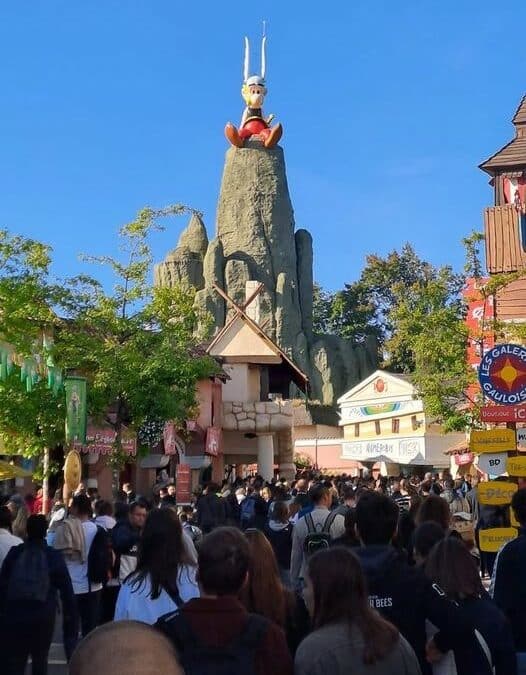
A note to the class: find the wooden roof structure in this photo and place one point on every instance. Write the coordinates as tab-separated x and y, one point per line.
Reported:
513	154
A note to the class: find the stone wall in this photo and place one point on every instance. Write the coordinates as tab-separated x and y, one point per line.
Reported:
258	416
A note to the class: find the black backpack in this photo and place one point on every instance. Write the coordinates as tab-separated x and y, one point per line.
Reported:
248	512
197	658
29	579
100	557
317	539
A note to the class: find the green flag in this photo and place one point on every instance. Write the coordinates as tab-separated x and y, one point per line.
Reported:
76	409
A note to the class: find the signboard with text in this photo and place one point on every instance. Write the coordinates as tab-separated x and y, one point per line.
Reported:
492	440
496	493
503	413
492	540
397	450
516	466
101	440
493	463
183	484
502	374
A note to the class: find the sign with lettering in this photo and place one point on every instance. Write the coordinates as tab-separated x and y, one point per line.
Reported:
493	463
464	458
503	413
513	521
492	540
397	450
521	439
516	466
183	484
492	440
101	440
496	493
502	374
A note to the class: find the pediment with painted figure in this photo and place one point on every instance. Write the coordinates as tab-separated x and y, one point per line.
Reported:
380	387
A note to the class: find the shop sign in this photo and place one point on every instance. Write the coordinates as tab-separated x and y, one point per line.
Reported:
464	458
503	413
492	440
396	450
521	439
101	440
214	441
502	374
183	479
492	540
496	493
173	444
516	466
493	463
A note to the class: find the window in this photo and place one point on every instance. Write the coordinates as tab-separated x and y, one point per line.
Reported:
396	426
356	430
414	422
377	427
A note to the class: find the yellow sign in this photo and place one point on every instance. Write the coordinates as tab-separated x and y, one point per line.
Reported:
496	492
494	539
492	440
513	521
516	466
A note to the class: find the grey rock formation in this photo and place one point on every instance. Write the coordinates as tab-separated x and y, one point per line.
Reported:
256	241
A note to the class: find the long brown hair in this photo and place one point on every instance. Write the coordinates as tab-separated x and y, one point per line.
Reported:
452	567
435	509
340	596
264	593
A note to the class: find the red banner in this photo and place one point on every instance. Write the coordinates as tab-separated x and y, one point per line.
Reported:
503	413
173	444
183	484
101	440
214	441
464	458
478	318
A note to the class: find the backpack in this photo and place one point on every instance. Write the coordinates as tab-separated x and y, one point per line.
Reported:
317	539
100	557
197	658
248	512
29	579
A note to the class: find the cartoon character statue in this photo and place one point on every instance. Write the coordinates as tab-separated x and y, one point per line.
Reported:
253	125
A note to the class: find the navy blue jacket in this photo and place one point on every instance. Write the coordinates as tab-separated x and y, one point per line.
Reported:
31	612
508	586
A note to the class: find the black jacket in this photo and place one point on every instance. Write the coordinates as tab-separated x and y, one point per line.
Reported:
211	512
508	586
28	614
281	542
406	598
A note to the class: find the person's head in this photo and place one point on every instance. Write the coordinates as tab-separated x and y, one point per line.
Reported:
349	495
161	551
266	494
449	483
137	514
350	525
425	537
127	488
162	493
452	567
212	488
280	512
376	519
518	504
36	527
171	490
301	485
396	485
224	558
263	593
6	518
335	592
320	496
103	508
81	507
125	647
436	509
121	511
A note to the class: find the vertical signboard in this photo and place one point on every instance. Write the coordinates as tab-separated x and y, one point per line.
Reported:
183	484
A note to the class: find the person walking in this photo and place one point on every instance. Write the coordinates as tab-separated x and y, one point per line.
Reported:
346	629
125	538
32	577
278	531
211	509
7	539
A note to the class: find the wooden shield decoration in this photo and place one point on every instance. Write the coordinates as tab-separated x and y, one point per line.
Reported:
72	470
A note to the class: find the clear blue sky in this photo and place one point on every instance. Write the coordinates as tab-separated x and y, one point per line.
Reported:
388	107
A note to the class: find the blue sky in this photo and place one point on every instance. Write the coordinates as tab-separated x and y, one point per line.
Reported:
387	107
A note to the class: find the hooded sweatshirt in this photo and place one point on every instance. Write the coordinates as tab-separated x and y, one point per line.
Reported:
280	538
406	598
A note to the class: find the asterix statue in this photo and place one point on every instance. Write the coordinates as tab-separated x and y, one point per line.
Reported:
253	124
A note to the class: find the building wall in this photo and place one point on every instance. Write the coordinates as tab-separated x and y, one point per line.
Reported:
387	427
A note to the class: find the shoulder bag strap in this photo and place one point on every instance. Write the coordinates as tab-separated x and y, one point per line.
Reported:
329	521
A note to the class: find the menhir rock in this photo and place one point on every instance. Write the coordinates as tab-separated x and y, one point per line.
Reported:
256	241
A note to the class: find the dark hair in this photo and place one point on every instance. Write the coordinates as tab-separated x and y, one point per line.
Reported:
376	518
5	518
82	505
518	504
453	568
160	553
340	595
36	527
348	493
318	492
426	536
103	508
121	510
264	593
435	509
224	558
280	512
139	504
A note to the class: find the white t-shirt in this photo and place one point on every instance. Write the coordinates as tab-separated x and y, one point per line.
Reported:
137	605
7	541
79	571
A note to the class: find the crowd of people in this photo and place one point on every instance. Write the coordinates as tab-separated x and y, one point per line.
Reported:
322	575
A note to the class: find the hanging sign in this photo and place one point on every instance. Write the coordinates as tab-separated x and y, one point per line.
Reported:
72	470
464	458
502	374
492	540
516	466
493	463
492	440
503	413
76	409
496	493
521	439
101	441
214	441
173	443
183	478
